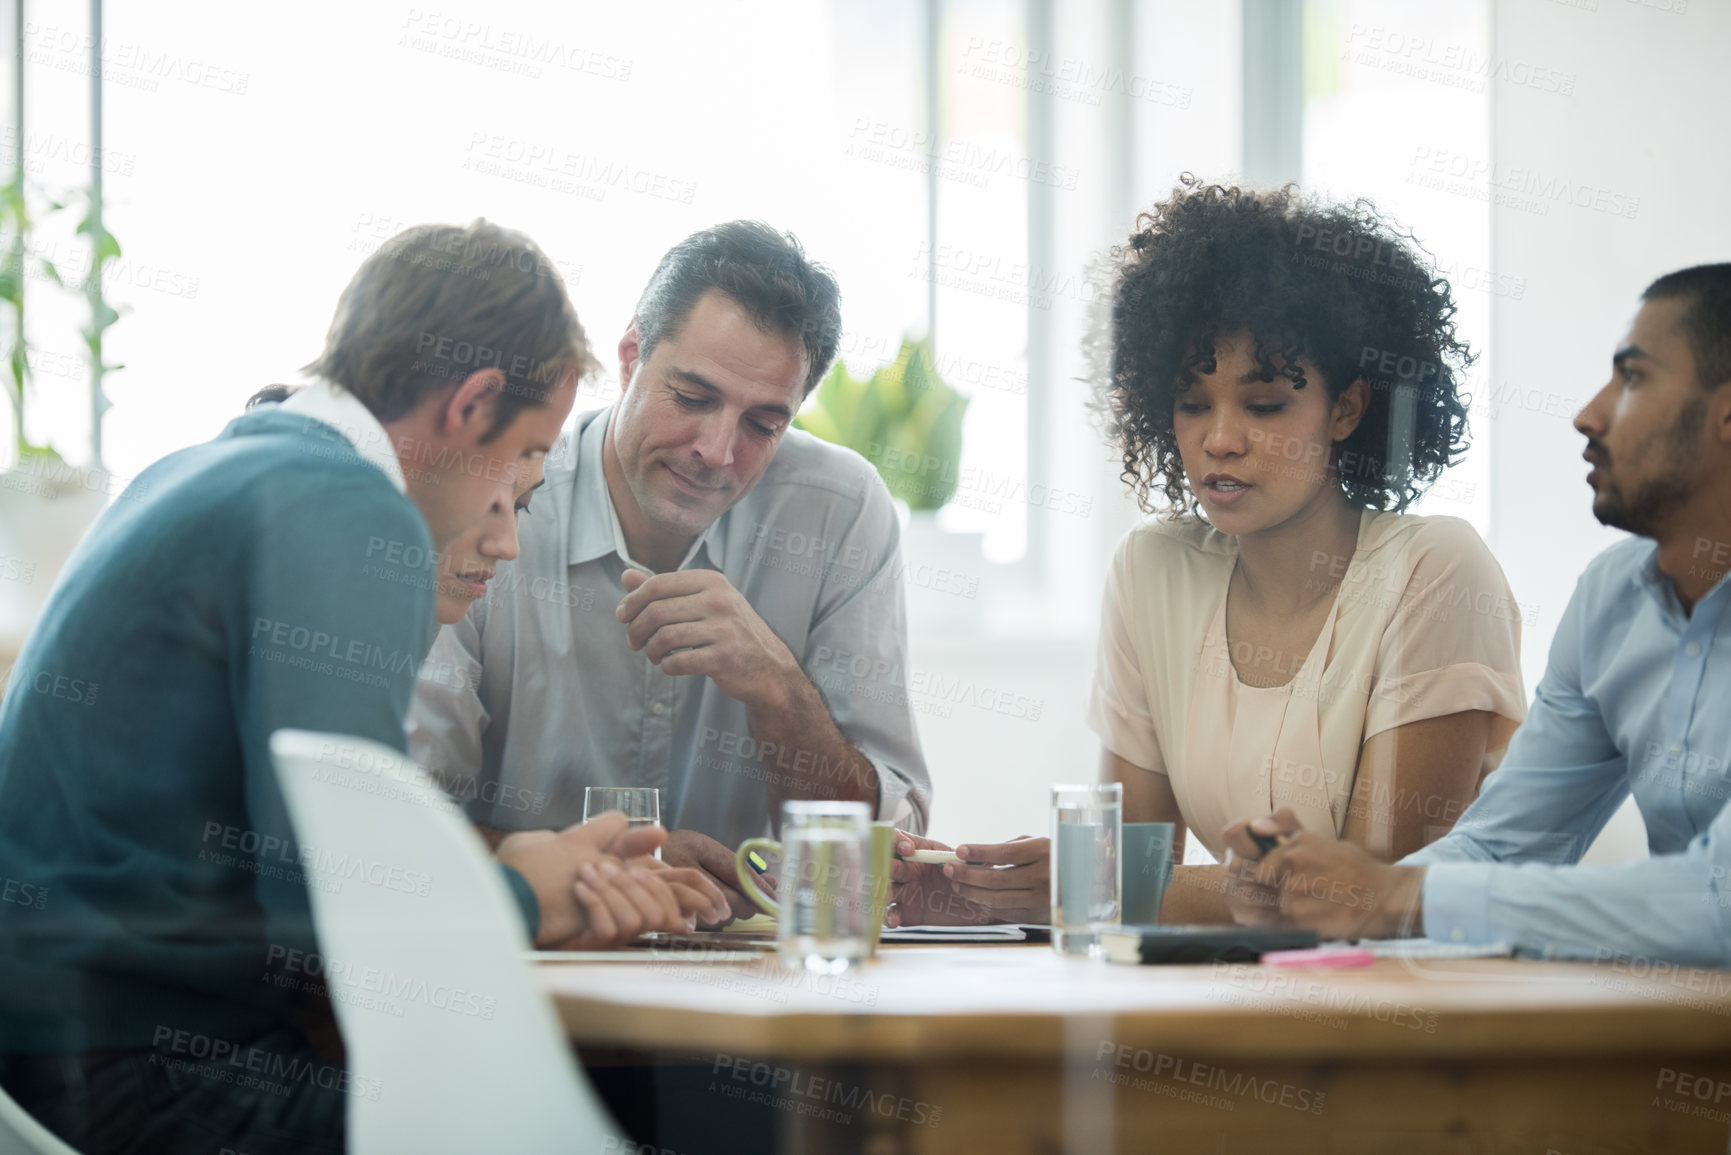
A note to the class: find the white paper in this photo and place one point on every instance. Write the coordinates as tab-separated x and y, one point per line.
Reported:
1008	932
1427	948
693	955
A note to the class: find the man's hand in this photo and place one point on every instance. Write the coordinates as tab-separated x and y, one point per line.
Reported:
1333	888
694	622
701	900
1013	886
699	852
590	899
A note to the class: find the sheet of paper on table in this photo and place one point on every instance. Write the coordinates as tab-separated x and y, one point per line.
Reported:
1006	933
1427	948
764	924
643	956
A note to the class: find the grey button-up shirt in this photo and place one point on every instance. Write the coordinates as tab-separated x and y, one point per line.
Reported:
536	694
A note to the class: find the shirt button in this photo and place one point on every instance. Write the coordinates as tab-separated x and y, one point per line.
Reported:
658	709
1458	934
1676	749
1693	649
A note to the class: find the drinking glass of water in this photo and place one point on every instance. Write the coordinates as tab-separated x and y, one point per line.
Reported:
1087	869
641	805
824	889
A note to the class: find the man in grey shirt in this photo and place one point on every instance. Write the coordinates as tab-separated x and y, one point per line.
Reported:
692	571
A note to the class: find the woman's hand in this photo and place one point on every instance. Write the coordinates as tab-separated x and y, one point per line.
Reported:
1010	884
1333	888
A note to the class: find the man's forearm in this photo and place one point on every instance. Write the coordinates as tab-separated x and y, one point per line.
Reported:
804	753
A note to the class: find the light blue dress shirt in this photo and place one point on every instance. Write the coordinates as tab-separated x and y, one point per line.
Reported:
536	694
1636	699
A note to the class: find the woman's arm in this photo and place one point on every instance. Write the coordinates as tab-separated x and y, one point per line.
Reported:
1414	781
1197	893
1148	796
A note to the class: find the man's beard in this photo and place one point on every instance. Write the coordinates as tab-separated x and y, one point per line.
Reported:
1654	499
659	501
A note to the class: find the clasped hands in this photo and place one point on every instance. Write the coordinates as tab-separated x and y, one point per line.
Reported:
1334	888
598	886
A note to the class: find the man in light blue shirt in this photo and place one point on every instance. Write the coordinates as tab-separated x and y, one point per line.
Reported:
708	601
1636	699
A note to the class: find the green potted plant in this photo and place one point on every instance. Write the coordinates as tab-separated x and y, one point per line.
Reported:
46	504
904	419
907	421
21	266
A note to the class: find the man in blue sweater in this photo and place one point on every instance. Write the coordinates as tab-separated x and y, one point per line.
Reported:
279	576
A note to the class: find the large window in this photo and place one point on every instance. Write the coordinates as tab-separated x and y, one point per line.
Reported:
1397	109
960	164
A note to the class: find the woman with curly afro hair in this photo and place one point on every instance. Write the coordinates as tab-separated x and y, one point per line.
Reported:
1283	383
1285	378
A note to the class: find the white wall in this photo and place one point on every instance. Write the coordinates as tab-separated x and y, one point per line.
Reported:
1646	120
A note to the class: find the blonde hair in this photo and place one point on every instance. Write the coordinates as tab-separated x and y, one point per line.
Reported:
436	303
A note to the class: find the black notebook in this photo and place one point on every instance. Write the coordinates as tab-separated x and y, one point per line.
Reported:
1199	944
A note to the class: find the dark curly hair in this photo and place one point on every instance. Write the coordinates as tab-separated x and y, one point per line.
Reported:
1335	283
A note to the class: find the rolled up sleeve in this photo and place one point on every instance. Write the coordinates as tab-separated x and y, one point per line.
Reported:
862	623
1118	698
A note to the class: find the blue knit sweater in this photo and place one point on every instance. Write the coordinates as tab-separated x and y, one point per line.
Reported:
149	877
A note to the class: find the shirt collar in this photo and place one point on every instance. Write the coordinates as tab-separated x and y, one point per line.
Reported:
1650	575
331	404
1663	590
595	529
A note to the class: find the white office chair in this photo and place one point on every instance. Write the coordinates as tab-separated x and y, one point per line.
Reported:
21	1134
450	1045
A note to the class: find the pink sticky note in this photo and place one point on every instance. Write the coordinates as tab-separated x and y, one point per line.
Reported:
1321	958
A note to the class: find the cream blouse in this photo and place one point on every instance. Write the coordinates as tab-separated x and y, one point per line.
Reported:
1423	626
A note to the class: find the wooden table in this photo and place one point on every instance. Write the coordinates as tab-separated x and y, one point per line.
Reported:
961	1049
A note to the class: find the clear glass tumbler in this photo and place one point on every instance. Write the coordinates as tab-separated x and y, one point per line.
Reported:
823	885
641	805
1087	868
